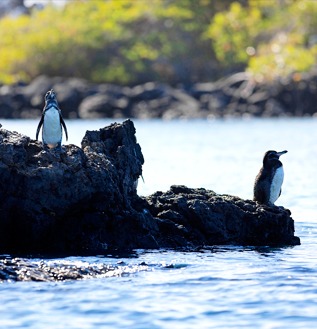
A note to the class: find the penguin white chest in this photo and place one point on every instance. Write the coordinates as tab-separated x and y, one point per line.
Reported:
52	130
276	184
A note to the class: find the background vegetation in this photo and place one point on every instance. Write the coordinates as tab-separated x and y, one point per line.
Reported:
173	41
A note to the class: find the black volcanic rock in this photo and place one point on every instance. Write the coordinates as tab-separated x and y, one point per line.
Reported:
101	106
156	100
237	95
84	200
206	218
52	201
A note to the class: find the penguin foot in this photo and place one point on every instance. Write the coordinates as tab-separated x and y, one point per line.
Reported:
264	208
56	152
267	206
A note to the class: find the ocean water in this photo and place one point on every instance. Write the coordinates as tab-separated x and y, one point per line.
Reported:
215	287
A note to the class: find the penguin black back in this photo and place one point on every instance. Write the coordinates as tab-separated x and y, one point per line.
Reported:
268	182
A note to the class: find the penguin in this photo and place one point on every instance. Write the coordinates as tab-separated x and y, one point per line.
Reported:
52	122
268	182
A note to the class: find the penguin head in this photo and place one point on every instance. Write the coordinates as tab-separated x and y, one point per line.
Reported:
50	99
271	158
50	95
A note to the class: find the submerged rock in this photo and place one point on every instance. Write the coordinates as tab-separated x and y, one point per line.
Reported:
84	200
19	269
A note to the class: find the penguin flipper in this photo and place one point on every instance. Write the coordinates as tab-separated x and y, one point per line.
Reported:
64	126
261	189
39	126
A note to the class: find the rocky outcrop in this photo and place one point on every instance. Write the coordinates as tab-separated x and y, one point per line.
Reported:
234	96
204	217
84	200
75	200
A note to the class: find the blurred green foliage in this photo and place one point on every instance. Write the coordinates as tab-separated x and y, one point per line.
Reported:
132	41
273	39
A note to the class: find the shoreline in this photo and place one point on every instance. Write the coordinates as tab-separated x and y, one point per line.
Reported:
235	96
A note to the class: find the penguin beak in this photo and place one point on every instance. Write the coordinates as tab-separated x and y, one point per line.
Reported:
281	153
51	94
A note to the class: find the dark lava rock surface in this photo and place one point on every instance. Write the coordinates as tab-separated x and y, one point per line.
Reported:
207	218
84	200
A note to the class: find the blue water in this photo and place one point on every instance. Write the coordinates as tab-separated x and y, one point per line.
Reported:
219	287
